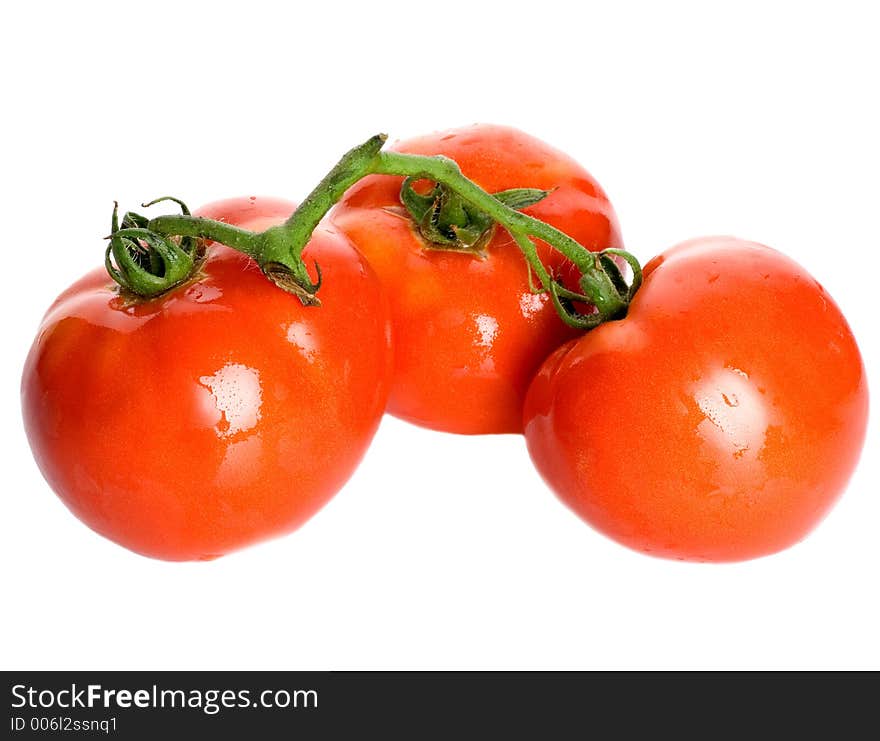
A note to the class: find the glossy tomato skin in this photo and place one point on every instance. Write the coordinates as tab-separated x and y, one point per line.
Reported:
468	332
719	421
217	415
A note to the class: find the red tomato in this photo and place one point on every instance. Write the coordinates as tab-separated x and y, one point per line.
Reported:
218	414
469	333
719	421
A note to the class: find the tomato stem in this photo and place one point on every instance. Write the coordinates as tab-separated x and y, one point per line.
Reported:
278	250
597	284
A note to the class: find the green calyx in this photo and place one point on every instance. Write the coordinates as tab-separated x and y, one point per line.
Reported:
602	287
446	221
144	262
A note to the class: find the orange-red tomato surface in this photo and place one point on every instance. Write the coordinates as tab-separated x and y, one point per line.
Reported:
469	333
218	414
719	421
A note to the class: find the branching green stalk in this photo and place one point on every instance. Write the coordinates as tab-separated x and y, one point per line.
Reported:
278	250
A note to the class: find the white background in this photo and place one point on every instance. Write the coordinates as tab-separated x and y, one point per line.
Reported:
755	119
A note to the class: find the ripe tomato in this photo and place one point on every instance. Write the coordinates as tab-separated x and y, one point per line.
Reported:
719	421
468	332
218	414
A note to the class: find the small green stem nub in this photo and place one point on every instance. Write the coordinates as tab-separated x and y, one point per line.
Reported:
457	214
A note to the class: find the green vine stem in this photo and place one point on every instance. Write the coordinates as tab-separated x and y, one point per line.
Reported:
278	250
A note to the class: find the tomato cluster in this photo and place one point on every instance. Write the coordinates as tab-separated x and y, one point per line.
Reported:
718	420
